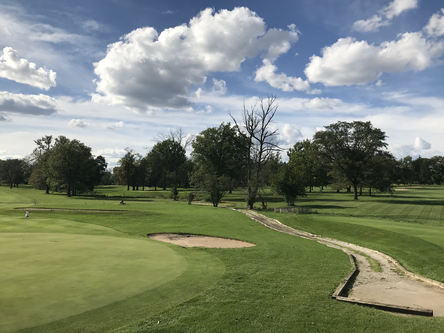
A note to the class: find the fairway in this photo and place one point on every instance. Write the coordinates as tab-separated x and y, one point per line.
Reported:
46	277
89	267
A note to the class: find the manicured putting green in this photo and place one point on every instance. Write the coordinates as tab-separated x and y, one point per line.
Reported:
49	276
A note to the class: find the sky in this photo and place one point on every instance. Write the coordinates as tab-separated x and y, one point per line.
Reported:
118	73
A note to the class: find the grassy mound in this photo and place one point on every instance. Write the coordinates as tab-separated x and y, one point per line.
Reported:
46	277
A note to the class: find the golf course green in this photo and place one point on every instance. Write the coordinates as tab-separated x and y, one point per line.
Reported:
84	264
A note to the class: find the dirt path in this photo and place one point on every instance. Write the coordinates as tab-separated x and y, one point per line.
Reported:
393	285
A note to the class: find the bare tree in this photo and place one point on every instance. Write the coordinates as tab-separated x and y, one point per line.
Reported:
261	141
177	135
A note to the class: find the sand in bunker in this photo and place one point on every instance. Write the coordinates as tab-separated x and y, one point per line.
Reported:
200	241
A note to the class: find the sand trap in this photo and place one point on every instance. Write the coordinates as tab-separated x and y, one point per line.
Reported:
200	241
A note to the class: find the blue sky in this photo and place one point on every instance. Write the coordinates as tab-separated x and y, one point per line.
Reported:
116	74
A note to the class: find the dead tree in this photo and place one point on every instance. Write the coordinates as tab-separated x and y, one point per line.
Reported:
261	141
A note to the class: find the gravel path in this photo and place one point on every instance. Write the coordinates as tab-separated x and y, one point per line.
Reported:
393	285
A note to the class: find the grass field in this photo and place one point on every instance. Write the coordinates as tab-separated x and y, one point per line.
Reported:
83	264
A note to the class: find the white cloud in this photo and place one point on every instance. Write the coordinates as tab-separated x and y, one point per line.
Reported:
396	7
46	45
78	123
393	9
348	62
371	24
421	144
435	26
17	26
219	87
290	134
92	25
118	124
27	104
280	81
143	71
198	92
115	153
419	148
322	103
23	71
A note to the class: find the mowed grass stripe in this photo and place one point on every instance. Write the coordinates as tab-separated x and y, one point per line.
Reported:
396	211
386	209
405	213
435	214
367	209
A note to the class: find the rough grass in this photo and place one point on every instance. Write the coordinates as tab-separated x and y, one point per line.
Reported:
284	284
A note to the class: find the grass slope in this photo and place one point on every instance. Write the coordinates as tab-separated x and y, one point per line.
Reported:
46	277
284	284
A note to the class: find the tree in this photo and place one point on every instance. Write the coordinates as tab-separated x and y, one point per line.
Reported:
128	168
11	172
178	136
261	142
165	161
72	166
219	151
350	148
289	182
40	173
381	173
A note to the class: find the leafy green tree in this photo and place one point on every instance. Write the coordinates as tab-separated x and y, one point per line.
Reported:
128	168
216	187
289	182
165	161
39	177
219	151
380	173
11	172
406	170
437	169
72	166
350	147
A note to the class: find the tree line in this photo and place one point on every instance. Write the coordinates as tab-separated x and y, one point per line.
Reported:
244	153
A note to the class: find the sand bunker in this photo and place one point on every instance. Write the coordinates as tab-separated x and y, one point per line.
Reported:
200	241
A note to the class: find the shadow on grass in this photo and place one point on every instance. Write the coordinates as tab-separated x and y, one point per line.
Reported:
413	202
113	198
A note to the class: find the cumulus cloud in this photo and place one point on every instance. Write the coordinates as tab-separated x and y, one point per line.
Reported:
435	26
23	71
280	81
393	9
27	104
78	123
421	144
219	87
348	62
290	134
146	70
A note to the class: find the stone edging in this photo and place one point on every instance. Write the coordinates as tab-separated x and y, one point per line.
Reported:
338	295
267	222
